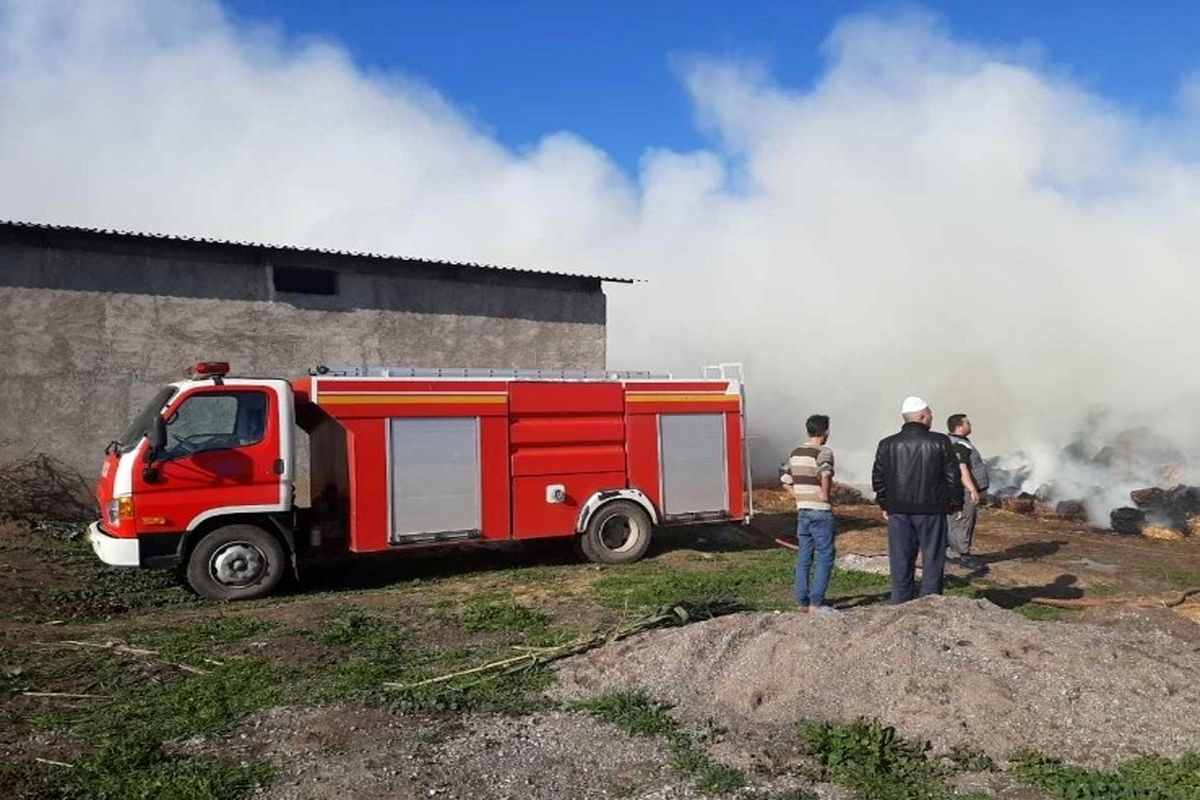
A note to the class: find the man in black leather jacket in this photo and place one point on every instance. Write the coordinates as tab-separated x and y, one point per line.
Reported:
917	483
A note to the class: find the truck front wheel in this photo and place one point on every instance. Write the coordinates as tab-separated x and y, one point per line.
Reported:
618	533
236	562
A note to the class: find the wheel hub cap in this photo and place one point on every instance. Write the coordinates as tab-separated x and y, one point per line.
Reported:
618	534
238	564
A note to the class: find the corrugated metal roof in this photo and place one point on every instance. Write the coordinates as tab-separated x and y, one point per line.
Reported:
295	249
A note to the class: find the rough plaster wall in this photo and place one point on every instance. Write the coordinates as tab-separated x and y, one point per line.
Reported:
79	364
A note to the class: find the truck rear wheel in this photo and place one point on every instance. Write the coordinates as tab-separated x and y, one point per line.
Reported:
237	562
618	533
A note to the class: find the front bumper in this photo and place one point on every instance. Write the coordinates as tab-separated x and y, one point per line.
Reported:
112	550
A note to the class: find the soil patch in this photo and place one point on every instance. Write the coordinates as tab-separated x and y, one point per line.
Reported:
26	574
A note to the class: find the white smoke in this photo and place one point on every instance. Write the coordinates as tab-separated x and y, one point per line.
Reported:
931	217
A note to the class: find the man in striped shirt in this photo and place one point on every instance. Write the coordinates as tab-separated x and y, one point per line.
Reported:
810	476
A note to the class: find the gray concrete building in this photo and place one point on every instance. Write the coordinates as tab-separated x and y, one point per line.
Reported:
92	321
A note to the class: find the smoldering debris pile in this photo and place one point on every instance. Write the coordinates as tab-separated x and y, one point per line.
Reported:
955	671
1160	513
1155	513
1094	490
843	494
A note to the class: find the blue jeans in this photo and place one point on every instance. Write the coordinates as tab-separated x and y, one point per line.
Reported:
814	531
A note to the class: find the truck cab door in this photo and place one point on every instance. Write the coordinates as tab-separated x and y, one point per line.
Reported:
227	451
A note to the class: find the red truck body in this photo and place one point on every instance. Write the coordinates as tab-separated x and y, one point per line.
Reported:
405	462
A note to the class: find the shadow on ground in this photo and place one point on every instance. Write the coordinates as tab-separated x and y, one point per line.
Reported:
1024	550
378	570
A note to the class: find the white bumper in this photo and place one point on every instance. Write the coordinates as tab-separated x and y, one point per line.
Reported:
111	550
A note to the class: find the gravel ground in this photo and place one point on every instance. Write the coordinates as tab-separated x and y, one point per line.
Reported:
349	751
955	671
346	751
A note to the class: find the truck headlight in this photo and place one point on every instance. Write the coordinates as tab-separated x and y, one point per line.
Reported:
120	508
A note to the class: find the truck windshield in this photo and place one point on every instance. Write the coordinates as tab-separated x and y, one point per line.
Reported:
141	423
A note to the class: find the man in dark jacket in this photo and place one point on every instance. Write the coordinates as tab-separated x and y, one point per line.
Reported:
916	482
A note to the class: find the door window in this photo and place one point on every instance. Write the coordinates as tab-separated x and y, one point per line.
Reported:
216	421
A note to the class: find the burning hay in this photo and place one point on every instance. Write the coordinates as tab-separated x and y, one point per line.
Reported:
1157	513
1160	513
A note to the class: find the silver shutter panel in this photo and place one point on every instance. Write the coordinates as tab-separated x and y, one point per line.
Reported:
434	463
694	472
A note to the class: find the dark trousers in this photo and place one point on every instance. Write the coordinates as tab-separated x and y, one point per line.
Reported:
908	533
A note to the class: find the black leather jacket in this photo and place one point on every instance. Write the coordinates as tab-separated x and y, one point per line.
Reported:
916	472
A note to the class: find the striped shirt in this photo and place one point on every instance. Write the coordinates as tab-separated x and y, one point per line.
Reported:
806	465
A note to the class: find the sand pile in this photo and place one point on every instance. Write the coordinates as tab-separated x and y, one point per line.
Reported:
955	671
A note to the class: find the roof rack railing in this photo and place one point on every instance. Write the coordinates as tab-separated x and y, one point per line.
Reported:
480	372
726	371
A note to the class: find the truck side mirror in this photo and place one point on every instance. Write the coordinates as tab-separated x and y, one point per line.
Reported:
157	434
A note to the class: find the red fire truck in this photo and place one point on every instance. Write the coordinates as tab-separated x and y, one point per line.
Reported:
204	477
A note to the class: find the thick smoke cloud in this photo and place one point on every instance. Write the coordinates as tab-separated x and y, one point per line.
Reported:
930	217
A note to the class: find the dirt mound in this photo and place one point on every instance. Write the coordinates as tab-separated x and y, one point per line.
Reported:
955	671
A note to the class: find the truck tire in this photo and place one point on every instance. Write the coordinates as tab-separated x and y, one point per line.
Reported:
618	533
236	562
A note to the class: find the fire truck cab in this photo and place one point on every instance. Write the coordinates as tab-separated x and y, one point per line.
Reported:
204	478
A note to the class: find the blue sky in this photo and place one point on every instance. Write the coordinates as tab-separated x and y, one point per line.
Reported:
604	70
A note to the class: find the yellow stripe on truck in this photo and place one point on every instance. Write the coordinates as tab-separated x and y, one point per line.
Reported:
377	399
681	398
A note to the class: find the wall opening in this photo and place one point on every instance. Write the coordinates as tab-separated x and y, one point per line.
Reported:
298	280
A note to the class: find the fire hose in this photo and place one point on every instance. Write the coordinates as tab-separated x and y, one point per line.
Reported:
1137	602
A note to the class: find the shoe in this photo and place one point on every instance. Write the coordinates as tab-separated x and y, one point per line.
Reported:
823	610
975	565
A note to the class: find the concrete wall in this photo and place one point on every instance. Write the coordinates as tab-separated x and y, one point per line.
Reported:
90	328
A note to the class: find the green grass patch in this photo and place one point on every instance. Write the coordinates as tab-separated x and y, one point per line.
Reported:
205	636
1007	598
759	579
158	701
966	760
632	712
1177	577
1141	779
202	677
375	651
103	591
1040	613
132	769
708	776
638	714
499	612
129	770
852	582
874	761
153	699
533	576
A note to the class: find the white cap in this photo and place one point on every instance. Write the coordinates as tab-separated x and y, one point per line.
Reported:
912	405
